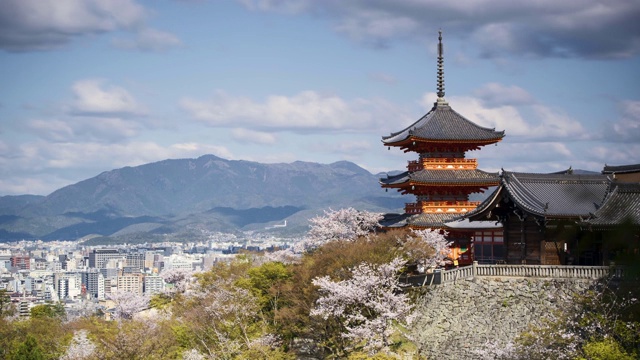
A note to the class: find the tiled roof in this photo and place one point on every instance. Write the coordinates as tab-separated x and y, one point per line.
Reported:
558	195
427	220
555	195
443	123
492	199
621	169
394	220
431	220
446	177
620	205
465	224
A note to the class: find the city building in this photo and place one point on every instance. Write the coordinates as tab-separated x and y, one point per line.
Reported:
136	260
98	258
132	283
93	284
153	284
21	262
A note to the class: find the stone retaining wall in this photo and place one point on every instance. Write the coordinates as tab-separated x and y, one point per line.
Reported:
457	319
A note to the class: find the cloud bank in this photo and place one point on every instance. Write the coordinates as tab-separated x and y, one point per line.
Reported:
546	28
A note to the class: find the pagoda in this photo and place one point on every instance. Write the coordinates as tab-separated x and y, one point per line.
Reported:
443	177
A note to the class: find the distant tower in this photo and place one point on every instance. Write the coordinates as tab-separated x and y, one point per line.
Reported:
442	178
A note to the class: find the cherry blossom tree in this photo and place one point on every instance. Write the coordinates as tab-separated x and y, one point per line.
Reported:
437	247
179	278
128	304
367	305
192	354
81	347
344	224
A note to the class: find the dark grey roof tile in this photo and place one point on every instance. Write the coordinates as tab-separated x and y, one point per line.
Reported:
475	176
561	195
443	123
621	204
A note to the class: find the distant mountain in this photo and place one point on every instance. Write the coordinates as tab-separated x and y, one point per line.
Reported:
178	196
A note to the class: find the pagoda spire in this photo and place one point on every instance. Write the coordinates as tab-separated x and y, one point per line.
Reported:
440	68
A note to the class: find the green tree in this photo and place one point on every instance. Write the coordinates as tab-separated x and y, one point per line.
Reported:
48	311
267	283
28	350
6	307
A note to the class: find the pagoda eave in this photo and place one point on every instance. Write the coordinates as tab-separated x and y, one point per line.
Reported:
434	185
416	144
422	189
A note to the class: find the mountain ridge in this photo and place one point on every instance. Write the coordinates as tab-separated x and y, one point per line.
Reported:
213	192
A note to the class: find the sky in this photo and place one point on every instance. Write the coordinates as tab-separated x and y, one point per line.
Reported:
88	86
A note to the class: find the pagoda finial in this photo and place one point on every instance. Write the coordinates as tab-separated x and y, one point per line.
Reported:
440	67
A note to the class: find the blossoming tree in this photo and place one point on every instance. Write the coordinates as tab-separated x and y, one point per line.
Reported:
368	305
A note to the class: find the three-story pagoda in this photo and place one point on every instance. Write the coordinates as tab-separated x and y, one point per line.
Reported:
443	177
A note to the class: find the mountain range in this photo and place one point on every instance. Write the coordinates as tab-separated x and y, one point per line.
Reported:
184	198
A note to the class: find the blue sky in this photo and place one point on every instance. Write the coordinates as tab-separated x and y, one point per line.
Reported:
93	85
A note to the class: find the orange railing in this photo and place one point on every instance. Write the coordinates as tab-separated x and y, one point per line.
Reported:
440	207
442	164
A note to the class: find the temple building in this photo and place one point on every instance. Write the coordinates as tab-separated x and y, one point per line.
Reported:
565	218
442	178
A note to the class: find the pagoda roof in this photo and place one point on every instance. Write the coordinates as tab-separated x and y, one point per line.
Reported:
557	195
423	220
621	204
443	177
443	124
621	169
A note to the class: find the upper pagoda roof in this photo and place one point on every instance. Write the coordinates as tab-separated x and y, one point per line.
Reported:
442	124
621	204
557	195
443	177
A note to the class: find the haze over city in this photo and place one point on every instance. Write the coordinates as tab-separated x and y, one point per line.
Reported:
89	86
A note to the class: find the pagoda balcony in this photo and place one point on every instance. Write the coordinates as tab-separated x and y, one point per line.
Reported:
449	207
442	164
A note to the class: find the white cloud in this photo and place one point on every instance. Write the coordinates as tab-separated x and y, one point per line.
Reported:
94	97
46	24
306	111
541	122
346	149
286	6
80	129
589	28
615	155
148	39
52	130
371	25
495	94
627	129
251	136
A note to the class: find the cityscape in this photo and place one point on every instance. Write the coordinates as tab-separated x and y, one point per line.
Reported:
82	278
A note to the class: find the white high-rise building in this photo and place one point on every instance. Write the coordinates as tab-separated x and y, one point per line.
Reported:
153	284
